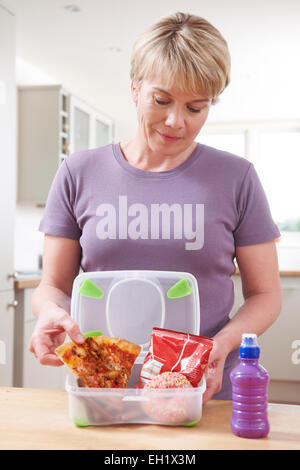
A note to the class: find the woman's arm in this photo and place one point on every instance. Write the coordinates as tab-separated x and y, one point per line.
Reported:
51	300
258	265
260	278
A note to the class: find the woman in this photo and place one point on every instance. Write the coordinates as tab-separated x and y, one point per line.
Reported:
162	201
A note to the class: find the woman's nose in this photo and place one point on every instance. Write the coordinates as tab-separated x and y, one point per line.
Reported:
175	118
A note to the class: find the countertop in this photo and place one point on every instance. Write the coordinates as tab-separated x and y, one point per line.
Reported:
38	419
26	283
27	279
32	282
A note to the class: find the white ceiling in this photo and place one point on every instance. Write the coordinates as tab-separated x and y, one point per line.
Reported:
74	48
63	43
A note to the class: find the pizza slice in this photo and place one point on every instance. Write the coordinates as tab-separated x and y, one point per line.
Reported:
100	361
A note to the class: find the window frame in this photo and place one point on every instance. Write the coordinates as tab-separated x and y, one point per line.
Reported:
251	130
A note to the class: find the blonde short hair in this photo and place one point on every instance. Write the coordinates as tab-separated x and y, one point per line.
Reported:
188	51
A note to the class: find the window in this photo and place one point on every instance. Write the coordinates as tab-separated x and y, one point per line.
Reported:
274	149
81	130
230	142
278	165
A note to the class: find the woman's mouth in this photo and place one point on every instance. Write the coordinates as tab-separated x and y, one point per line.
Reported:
168	138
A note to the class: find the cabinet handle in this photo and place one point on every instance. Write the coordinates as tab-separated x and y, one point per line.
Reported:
291	288
14	304
11	276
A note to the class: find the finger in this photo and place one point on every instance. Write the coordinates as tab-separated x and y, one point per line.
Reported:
72	329
41	348
51	360
42	352
210	388
46	357
207	395
31	348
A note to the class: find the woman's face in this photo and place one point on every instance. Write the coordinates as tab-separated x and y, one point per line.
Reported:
169	120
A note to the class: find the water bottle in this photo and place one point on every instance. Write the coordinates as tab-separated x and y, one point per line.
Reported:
249	392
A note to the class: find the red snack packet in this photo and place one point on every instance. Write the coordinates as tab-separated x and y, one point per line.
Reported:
173	351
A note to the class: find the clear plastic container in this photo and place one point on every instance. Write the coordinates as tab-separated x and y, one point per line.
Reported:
134	302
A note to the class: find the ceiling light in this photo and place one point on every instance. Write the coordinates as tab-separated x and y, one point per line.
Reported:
115	49
72	8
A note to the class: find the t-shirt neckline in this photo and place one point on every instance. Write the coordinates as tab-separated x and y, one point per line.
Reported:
155	174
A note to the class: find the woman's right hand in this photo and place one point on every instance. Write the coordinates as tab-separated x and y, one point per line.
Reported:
50	331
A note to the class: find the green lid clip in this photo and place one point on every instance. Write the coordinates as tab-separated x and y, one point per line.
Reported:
87	334
81	422
190	425
89	289
180	289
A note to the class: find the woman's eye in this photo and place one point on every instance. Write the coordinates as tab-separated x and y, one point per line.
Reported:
164	103
160	101
194	110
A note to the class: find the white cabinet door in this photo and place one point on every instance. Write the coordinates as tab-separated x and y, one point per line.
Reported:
35	375
81	130
279	341
102	133
238	295
7	145
280	344
38	141
88	127
7	314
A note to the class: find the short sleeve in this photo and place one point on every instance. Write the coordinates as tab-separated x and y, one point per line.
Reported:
255	220
58	218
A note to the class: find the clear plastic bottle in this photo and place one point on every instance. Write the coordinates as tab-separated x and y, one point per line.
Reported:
249	392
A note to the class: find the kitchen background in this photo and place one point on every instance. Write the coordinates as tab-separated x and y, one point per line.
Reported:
64	86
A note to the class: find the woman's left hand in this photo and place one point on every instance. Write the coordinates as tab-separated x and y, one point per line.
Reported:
214	370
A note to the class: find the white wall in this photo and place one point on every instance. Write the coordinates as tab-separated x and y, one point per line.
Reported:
264	40
28	241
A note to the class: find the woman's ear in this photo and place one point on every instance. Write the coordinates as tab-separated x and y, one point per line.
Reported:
134	92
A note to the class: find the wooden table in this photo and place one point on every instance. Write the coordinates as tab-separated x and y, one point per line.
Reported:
38	419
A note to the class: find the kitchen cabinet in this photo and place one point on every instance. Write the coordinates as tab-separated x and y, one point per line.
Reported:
52	124
278	343
7	189
7	145
28	372
42	140
7	316
88	127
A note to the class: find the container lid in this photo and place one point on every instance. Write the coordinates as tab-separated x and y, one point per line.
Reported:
129	304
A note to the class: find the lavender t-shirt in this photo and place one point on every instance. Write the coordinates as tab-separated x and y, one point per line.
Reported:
189	218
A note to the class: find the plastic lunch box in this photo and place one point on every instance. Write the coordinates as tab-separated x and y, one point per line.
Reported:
131	304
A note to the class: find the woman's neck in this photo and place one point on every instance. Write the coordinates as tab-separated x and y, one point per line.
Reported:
143	157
